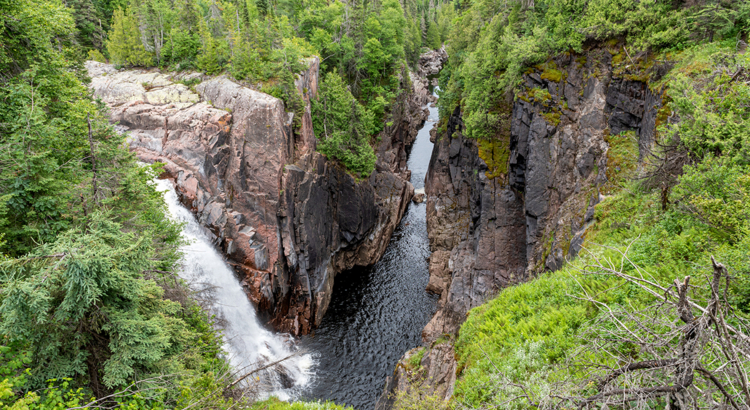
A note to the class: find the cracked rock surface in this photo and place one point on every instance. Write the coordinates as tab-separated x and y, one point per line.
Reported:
286	218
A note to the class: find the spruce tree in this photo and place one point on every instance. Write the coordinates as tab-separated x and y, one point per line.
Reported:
208	58
124	44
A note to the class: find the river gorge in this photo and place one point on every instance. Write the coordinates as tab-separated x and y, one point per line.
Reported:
377	312
269	218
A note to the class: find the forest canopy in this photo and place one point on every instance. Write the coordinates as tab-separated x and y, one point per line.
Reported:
92	310
368	44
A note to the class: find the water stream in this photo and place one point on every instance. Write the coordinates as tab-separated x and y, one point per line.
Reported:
378	312
248	344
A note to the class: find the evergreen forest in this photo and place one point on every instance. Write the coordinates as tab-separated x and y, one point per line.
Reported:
93	312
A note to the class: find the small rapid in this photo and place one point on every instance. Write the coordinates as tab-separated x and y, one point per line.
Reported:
247	343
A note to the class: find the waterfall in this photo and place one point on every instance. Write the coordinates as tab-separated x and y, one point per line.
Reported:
248	344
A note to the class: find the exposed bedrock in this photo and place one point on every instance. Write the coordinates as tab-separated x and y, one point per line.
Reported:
432	375
503	210
286	218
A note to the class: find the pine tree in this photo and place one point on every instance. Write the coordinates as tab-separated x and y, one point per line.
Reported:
83	306
433	36
343	126
208	58
90	33
124	44
262	6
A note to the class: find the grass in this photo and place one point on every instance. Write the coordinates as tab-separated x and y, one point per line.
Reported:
528	331
275	404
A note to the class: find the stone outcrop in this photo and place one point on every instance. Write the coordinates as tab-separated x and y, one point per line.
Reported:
422	373
428	66
286	218
503	210
431	62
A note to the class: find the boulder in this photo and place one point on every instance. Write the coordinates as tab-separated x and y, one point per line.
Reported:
419	196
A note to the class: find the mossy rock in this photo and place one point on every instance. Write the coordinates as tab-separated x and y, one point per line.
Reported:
541	95
495	153
622	159
552	75
553	118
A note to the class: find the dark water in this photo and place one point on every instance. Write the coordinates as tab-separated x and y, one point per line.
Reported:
378	312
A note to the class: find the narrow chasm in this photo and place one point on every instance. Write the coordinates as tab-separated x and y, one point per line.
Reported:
377	312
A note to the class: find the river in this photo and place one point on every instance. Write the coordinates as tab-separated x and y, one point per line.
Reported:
247	342
376	313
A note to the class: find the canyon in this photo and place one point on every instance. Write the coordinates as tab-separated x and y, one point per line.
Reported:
498	211
287	219
504	210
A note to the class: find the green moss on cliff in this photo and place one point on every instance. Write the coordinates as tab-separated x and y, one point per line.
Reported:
622	159
552	117
495	153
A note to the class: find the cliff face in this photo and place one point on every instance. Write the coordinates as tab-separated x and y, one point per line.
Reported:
503	210
287	219
500	211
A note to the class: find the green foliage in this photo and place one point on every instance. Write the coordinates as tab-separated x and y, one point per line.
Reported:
530	331
83	234
717	192
343	126
492	43
622	159
209	58
416	360
714	110
91	30
66	298
124	42
275	404
433	37
96	55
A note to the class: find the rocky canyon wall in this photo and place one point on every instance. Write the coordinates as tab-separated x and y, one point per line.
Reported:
501	211
286	218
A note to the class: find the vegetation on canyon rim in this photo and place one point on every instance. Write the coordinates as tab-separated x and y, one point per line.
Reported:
92	312
550	342
90	303
367	44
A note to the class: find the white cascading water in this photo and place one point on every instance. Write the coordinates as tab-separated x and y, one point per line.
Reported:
247	343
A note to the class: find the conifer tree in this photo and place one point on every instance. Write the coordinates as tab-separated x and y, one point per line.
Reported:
433	36
124	43
208	58
91	30
343	126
